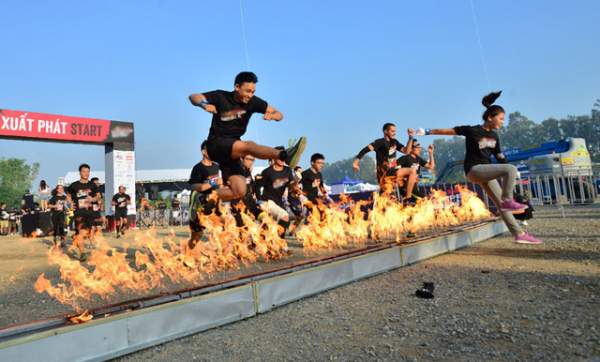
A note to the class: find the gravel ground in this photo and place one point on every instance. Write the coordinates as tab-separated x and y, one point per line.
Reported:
494	301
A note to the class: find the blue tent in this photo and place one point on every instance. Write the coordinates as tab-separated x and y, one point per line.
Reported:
348	181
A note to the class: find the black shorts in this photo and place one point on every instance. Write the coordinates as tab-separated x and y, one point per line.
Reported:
98	219
383	171
219	150
120	214
84	219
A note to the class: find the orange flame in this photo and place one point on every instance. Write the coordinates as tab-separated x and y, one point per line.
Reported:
154	263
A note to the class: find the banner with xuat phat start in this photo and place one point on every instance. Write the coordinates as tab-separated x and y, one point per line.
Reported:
32	125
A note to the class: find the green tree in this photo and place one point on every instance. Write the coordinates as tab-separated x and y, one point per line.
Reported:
335	171
448	150
520	131
16	177
551	129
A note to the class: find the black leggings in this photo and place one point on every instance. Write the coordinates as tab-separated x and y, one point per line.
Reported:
58	222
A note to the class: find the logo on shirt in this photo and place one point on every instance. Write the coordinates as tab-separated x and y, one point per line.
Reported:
486	142
280	182
232	115
392	151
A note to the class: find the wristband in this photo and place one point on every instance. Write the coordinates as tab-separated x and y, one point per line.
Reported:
203	103
213	183
427	131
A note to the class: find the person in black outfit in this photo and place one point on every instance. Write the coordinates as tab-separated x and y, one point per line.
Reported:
386	149
312	180
231	114
58	206
414	160
482	142
120	201
81	194
204	179
97	207
249	200
275	180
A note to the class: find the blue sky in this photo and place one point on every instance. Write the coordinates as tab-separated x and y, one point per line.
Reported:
337	69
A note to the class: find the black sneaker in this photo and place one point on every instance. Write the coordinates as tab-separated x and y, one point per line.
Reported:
291	156
426	292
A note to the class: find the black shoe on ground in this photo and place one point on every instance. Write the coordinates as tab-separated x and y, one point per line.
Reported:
426	292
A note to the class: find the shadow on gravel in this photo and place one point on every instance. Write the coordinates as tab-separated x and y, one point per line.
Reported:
532	253
585	216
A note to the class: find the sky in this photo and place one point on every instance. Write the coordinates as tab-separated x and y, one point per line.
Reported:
337	69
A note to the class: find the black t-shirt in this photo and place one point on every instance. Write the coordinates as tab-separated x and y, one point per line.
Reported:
202	174
79	192
60	201
412	162
28	201
232	117
275	182
385	151
311	183
121	201
481	145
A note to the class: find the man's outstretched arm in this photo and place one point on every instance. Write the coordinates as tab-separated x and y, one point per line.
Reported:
356	164
200	100
272	114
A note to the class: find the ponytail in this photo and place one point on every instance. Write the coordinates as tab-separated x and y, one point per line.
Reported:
491	109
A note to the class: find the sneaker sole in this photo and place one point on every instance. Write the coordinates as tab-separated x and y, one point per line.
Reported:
527	242
301	146
515	210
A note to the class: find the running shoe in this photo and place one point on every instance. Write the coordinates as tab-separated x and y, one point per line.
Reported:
512	205
293	154
527	238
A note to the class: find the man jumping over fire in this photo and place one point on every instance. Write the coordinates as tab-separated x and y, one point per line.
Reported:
385	151
231	113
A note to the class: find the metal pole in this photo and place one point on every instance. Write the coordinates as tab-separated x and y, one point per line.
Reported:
581	188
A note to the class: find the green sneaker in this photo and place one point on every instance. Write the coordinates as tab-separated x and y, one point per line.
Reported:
194	205
295	152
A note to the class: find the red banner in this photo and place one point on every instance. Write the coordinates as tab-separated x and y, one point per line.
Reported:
53	127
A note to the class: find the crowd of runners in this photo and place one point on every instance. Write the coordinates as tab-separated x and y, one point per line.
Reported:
285	192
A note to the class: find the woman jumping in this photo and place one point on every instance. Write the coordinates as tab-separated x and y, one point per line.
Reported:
482	142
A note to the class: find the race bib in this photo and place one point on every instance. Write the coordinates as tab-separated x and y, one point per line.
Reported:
83	203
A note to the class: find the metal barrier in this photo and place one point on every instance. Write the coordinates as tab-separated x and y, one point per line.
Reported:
163	217
549	189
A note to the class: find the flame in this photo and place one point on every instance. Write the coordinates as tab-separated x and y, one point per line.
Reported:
86	316
156	263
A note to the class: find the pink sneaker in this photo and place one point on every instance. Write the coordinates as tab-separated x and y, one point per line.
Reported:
512	205
527	238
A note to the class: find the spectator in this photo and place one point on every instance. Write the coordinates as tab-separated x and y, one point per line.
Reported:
27	203
44	194
4	220
58	204
14	221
